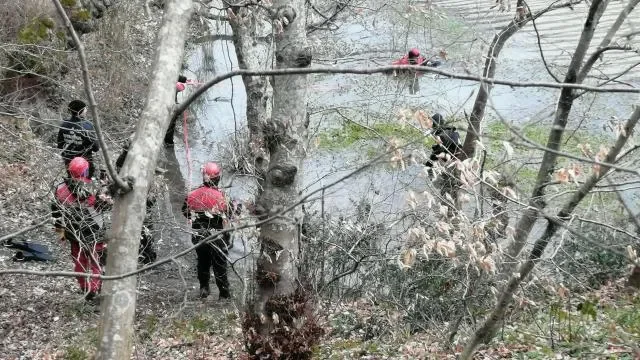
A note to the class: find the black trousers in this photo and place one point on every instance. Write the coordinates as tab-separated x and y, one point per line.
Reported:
168	136
146	252
213	255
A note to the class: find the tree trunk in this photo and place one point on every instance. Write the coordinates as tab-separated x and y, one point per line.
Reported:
118	306
280	324
480	104
487	331
565	102
608	38
245	25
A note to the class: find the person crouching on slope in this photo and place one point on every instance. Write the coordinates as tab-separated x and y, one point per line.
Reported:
75	210
207	208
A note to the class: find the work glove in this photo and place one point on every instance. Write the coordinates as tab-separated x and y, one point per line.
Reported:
60	233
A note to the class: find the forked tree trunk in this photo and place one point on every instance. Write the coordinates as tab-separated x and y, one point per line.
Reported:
280	323
480	104
119	303
523	228
488	329
563	108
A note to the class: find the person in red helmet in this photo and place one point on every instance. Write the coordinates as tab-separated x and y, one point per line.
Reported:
413	57
181	85
207	208
76	213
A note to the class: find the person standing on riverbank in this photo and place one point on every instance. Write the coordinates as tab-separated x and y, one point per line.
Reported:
413	57
77	136
208	209
181	85
76	212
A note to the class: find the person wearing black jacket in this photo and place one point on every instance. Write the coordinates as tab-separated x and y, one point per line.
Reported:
447	148
180	86
448	142
77	136
146	251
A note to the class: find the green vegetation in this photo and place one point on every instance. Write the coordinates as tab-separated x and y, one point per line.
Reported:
192	328
81	15
149	327
592	326
75	353
498	132
351	132
68	3
524	163
36	31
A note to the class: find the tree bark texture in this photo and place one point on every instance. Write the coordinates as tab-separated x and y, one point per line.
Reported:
480	103
563	108
118	305
280	326
488	329
245	24
608	37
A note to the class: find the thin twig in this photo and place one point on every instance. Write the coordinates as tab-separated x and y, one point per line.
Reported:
22	231
92	101
535	145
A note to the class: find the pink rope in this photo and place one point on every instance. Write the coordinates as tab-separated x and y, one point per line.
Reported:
185	132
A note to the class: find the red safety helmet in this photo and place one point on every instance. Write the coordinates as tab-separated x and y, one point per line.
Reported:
79	168
211	171
414	52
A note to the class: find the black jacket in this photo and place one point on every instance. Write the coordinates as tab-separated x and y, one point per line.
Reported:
450	139
77	137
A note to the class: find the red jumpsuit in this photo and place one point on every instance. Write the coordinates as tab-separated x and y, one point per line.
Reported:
405	61
75	212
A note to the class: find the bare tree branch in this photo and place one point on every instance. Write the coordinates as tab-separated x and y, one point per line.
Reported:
387	69
487	330
607	39
92	101
480	103
22	231
537	146
340	6
595	56
564	105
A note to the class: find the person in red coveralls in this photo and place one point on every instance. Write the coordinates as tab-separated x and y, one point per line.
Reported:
207	208
75	210
413	57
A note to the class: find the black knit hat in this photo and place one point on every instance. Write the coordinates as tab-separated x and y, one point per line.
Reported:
438	120
76	106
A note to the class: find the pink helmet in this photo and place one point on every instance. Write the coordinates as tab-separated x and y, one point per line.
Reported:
180	87
414	52
78	168
211	171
